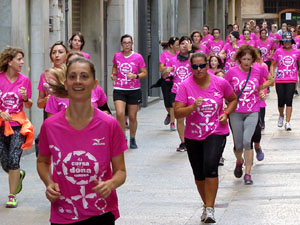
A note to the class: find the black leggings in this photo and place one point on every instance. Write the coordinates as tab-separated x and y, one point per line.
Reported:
204	156
166	87
104	219
285	93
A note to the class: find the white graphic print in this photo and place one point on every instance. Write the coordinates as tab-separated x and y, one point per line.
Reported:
68	208
10	100
207	110
124	69
83	196
215	50
247	99
83	167
63	104
55	163
98	141
290	69
264	52
182	72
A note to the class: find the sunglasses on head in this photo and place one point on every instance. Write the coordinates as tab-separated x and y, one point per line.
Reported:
196	66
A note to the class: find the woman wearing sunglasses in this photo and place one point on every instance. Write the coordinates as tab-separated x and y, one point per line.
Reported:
200	100
181	71
247	81
285	59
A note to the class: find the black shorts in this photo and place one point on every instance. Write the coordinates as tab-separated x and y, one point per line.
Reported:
166	87
104	219
131	97
204	156
172	97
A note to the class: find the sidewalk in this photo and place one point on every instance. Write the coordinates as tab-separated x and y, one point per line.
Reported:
160	189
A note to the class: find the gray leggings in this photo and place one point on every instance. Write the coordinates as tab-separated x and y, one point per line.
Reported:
243	127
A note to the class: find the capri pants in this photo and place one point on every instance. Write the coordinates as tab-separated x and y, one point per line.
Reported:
243	126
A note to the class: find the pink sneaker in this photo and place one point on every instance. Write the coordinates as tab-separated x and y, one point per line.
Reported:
172	127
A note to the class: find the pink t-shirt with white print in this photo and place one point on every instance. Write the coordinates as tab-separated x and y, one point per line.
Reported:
230	52
203	49
79	158
215	47
287	69
11	100
125	65
181	71
275	38
206	39
204	121
55	105
265	48
249	100
165	59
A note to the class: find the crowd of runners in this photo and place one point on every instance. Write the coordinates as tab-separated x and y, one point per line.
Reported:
209	87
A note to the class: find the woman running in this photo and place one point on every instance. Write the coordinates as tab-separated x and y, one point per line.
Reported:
166	84
285	59
58	101
181	71
15	92
77	43
216	45
207	37
248	84
265	45
86	149
247	40
129	67
200	100
197	45
229	50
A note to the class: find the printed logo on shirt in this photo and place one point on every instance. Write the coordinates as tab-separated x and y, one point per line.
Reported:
264	51
287	61
10	100
80	167
125	68
63	104
182	72
98	141
215	50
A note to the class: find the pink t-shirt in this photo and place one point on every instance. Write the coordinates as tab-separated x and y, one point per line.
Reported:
297	41
287	69
86	55
203	49
125	65
249	100
204	121
165	59
11	100
79	157
55	105
180	72
206	39
275	37
43	85
265	48
230	52
215	47
243	42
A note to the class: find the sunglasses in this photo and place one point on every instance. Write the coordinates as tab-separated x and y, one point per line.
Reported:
196	66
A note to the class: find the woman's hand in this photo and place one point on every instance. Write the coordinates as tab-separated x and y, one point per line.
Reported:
53	192
131	76
113	77
5	116
23	92
223	118
103	188
198	102
262	95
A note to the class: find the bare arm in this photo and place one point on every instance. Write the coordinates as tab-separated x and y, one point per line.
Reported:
272	68
42	100
222	54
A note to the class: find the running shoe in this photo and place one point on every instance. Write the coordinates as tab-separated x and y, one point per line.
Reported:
133	143
238	171
203	216
280	121
210	215
172	127
181	148
247	179
221	161
288	126
167	120
12	201
296	93
263	127
22	176
259	154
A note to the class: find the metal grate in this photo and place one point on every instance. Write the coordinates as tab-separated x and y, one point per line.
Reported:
275	6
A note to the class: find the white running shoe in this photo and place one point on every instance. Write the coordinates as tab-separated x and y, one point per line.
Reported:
203	216
210	215
288	126
280	121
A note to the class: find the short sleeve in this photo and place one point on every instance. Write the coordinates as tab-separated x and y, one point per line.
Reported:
118	141
102	98
141	62
114	59
275	56
43	141
51	105
227	89
28	88
162	58
181	95
228	75
41	87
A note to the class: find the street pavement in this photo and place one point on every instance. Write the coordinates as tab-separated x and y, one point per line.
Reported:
160	190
